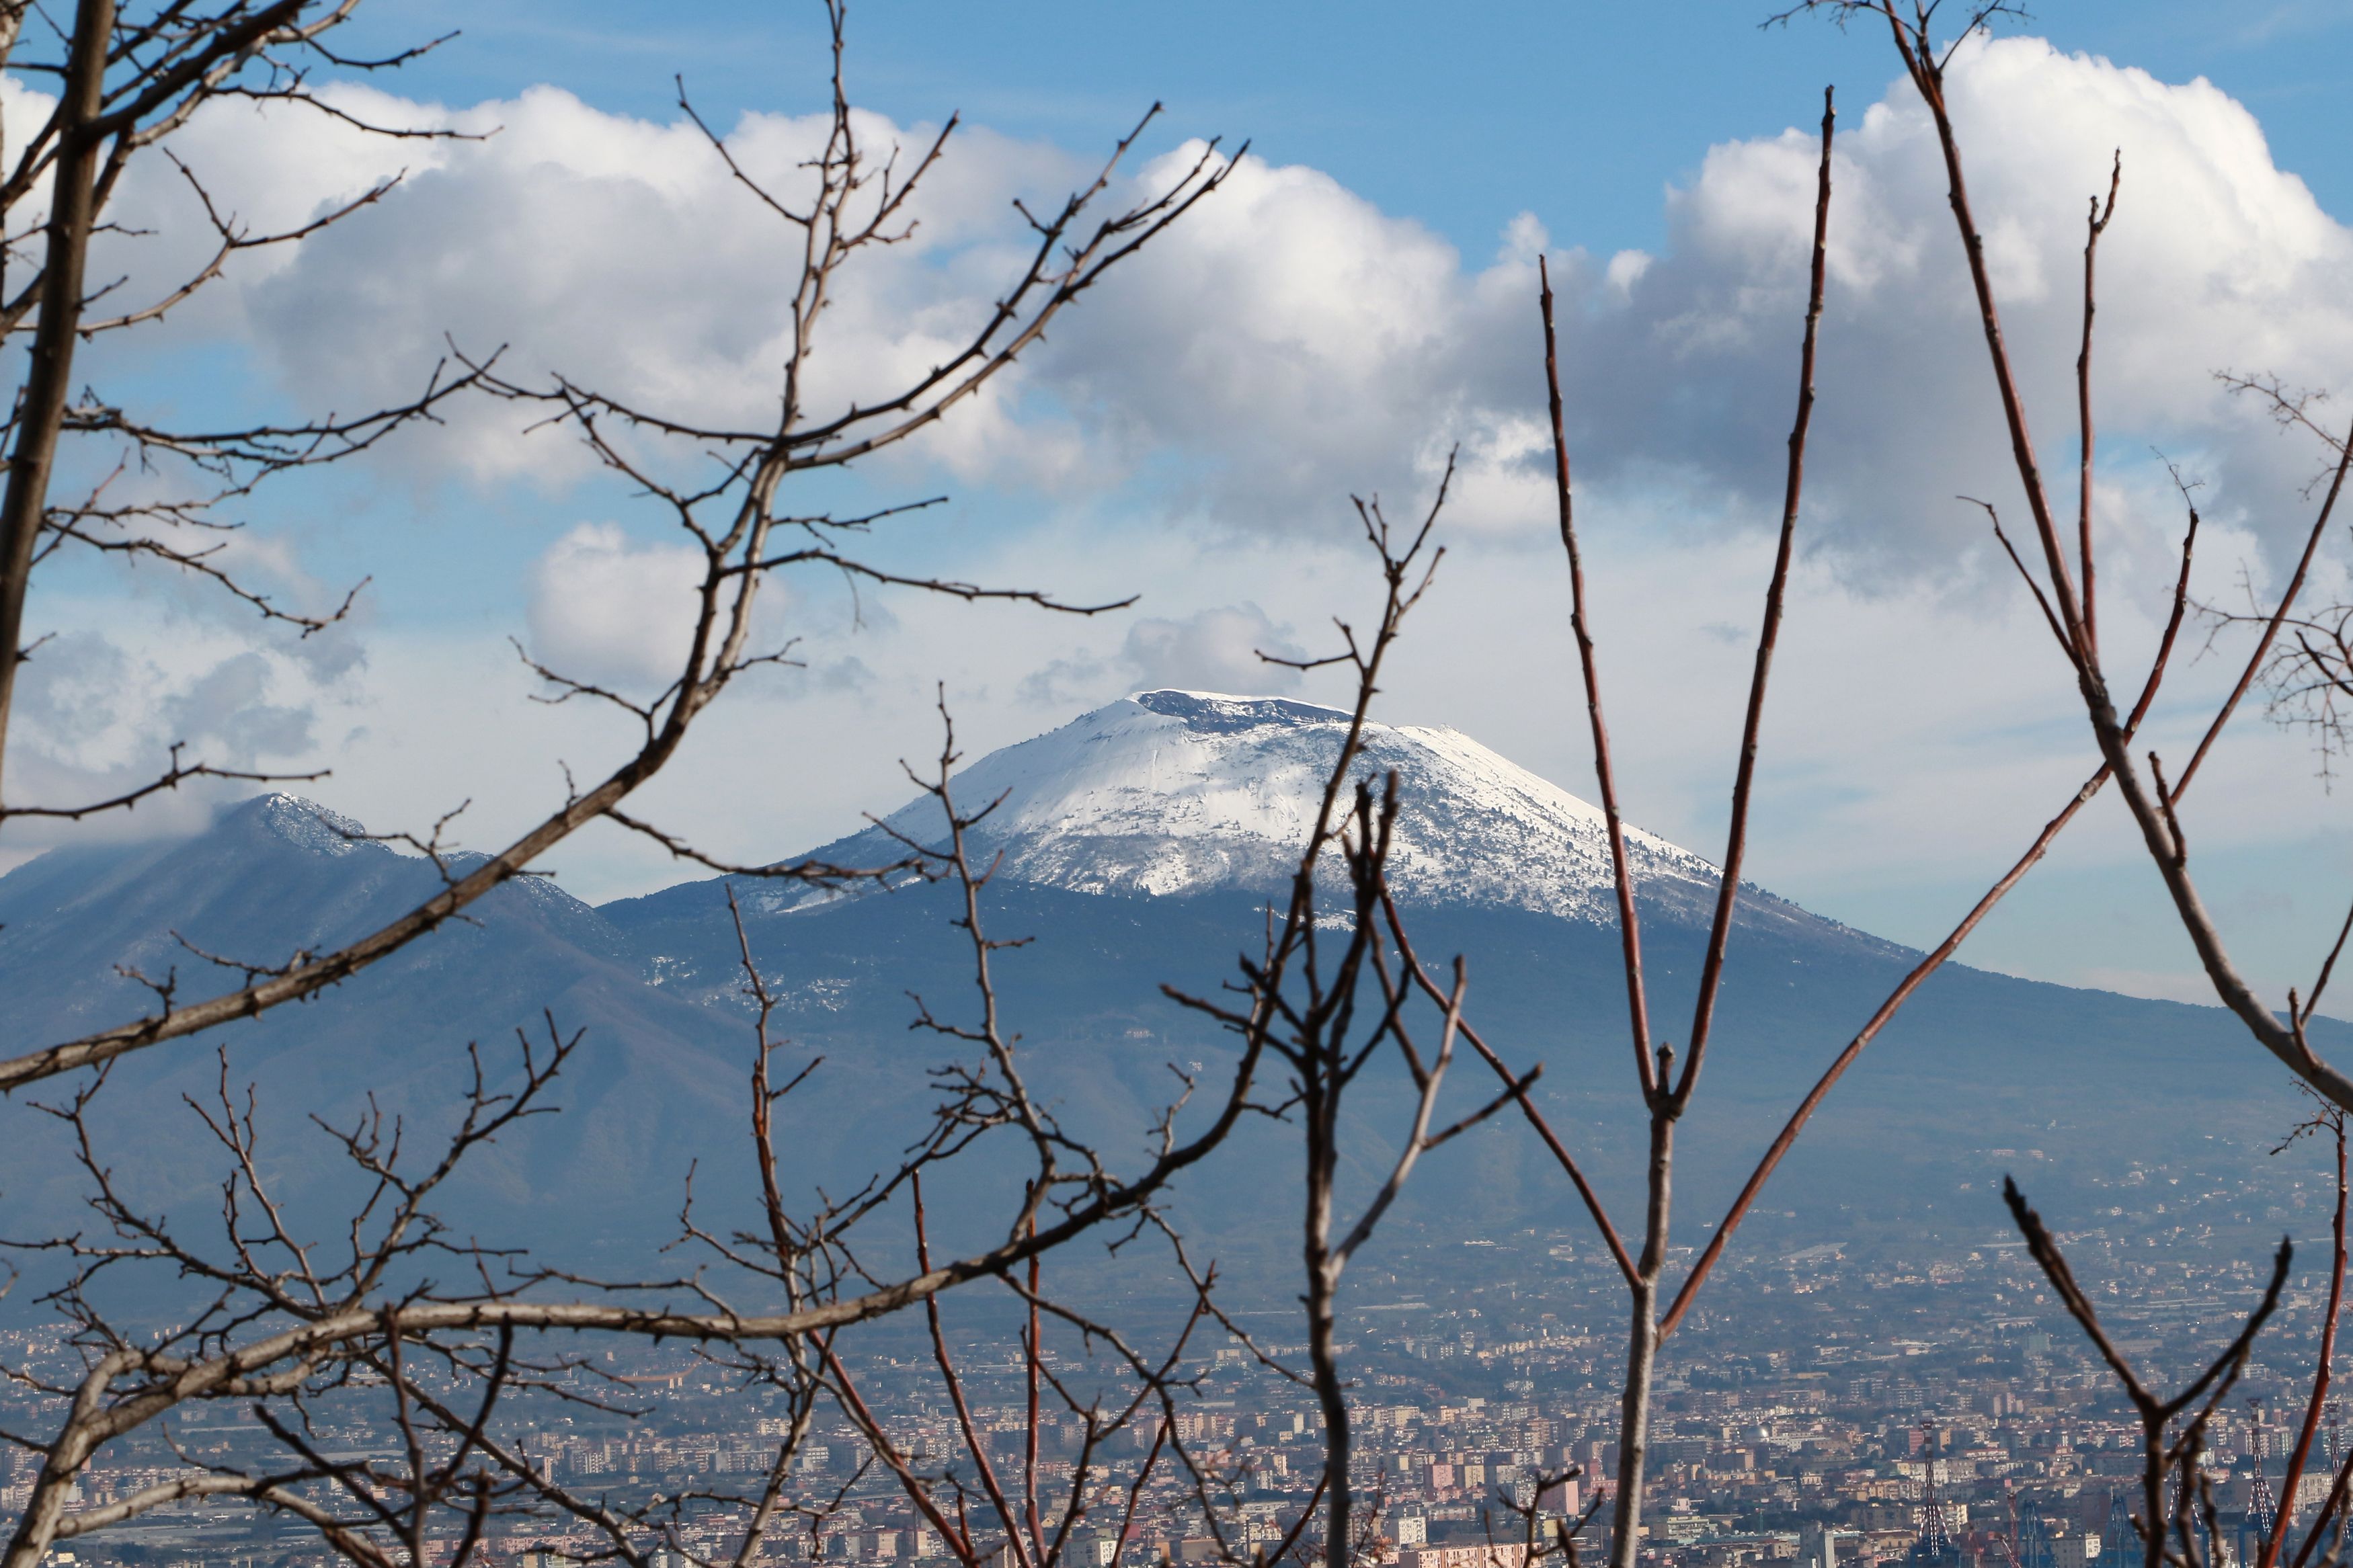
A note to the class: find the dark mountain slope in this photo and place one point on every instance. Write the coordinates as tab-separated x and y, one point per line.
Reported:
275	876
1982	1073
1980	1062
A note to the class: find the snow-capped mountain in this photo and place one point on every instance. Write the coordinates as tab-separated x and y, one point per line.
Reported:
1138	842
1169	793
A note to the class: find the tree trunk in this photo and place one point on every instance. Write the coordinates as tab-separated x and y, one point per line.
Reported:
49	376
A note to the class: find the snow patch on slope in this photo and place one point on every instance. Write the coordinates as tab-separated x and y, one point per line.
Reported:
1170	792
306	825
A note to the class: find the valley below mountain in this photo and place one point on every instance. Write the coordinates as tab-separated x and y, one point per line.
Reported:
1136	848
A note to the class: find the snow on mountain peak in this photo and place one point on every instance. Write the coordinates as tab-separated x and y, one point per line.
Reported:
1183	792
305	823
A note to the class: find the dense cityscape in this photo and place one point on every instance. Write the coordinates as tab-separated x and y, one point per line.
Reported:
1837	1402
743	824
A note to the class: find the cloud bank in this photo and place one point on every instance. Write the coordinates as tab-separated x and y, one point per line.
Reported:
1195	428
1292	341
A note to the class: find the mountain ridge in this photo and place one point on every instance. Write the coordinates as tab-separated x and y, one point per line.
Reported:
1977	1061
1170	792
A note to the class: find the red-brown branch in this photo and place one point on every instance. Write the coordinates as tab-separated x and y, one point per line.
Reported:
2095	225
1927	72
2154	814
1029	1453
955	1385
1711	978
1519	1094
958	1539
2293	1479
1912	982
1629	931
1854	1047
2272	628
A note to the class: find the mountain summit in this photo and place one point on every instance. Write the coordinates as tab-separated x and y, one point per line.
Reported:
1139	844
1174	792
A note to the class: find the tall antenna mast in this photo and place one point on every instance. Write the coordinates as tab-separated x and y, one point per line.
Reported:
1933	1544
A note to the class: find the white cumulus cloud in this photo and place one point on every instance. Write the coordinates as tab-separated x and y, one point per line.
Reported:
1213	651
609	612
1294	343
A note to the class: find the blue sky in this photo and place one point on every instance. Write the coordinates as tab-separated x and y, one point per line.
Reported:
1358	299
1460	116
